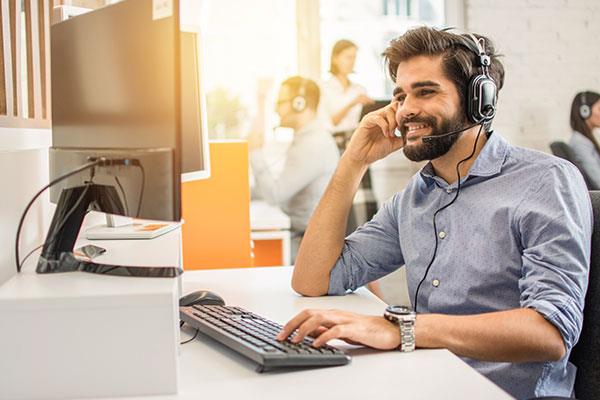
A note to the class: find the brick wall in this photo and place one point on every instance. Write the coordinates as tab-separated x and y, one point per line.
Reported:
552	51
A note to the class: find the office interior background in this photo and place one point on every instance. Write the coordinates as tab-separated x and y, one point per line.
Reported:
550	47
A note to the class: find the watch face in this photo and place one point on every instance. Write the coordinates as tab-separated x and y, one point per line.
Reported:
399	310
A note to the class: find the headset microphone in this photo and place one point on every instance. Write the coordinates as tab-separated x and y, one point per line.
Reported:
433	138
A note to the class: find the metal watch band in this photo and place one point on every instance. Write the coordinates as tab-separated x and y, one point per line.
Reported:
407	335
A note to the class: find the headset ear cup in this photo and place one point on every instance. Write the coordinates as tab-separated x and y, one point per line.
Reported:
585	111
482	97
298	103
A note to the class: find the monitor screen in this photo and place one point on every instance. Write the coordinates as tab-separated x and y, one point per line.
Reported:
195	160
116	93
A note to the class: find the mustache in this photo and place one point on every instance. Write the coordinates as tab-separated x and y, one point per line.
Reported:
424	120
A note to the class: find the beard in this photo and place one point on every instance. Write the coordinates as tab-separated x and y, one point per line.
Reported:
429	151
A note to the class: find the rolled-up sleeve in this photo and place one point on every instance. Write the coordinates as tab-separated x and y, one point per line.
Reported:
555	227
370	252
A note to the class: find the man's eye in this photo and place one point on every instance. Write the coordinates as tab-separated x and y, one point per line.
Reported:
400	99
426	92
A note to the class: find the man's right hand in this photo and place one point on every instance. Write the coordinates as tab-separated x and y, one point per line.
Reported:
374	138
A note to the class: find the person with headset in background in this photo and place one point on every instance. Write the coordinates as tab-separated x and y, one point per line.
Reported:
495	238
585	117
310	159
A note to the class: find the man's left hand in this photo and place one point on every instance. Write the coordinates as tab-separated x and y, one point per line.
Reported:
324	325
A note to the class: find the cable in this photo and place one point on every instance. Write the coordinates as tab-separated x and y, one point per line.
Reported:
137	214
30	253
443	208
193	337
41	245
99	161
123	193
60	224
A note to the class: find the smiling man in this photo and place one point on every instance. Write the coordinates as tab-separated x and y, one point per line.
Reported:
495	239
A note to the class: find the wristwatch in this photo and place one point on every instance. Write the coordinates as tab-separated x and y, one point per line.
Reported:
405	318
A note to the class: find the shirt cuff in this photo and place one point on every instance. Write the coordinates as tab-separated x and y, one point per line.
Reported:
563	314
339	279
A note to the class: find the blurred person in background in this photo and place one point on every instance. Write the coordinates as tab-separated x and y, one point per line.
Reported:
310	160
343	99
585	117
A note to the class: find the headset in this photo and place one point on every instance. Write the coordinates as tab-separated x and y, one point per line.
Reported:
299	101
584	109
482	94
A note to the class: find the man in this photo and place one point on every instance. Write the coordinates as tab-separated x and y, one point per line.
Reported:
502	282
310	159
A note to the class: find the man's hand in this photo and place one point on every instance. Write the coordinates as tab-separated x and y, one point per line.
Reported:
374	138
256	140
352	328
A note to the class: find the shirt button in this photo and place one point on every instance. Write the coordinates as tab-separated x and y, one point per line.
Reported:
442	234
449	191
435	282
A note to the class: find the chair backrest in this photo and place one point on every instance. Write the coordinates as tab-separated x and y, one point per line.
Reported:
563	150
586	354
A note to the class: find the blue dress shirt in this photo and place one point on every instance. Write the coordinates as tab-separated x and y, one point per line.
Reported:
518	236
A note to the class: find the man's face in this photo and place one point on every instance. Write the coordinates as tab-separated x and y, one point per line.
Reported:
428	104
284	106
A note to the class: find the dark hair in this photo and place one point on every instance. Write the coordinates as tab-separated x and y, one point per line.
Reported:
460	55
338	47
577	122
306	88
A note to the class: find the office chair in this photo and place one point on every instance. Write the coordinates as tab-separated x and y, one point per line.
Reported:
586	353
563	150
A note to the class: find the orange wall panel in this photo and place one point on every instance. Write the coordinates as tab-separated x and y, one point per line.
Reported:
268	253
216	211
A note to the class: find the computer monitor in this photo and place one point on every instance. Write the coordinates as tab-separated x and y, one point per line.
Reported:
195	159
117	100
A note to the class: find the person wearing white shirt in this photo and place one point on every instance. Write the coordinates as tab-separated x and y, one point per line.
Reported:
342	99
310	160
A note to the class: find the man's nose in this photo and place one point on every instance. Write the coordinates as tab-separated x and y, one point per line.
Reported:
407	110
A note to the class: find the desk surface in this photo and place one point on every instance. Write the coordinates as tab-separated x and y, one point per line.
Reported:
213	371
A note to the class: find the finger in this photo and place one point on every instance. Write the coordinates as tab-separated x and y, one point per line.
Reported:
390	116
293	324
380	121
337	332
322	318
308	326
318	332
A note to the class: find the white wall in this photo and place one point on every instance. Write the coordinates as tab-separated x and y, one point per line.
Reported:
552	51
23	171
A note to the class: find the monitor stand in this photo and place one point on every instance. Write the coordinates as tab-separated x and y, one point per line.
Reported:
57	253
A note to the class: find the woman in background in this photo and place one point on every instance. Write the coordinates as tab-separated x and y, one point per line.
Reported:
585	117
342	99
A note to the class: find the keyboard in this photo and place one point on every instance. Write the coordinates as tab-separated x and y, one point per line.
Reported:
253	336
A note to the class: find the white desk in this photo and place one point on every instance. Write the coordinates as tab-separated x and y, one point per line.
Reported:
211	371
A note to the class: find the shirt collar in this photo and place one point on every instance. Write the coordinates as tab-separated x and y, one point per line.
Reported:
488	163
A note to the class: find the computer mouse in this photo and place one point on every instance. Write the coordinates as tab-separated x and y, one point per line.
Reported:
201	297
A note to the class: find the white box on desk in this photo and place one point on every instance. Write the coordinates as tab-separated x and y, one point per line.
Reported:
77	334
